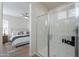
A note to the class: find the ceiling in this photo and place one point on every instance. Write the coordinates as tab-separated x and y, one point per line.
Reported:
52	5
18	8
15	8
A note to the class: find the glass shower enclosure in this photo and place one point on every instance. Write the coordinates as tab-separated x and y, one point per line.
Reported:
42	35
57	32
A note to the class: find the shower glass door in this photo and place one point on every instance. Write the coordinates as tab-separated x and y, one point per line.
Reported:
42	35
62	32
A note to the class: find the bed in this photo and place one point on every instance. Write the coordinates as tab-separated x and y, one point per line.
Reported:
19	40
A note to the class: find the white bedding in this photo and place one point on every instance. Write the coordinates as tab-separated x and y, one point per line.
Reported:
13	37
20	41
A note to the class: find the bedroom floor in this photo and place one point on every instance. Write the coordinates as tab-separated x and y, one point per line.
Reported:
9	51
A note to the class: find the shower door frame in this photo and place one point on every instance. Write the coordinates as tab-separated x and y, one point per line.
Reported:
77	31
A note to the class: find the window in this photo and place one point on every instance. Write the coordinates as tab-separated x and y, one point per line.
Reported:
5	26
71	12
62	15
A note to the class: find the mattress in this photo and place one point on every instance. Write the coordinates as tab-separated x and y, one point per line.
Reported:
20	41
16	36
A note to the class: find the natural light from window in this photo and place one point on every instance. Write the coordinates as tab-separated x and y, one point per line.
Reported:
5	27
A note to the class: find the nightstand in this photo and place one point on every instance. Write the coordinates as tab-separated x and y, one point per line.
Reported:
5	39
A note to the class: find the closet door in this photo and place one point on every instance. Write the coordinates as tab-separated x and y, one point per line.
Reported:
42	35
62	32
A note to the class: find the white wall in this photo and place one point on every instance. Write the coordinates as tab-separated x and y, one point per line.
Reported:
0	19
16	24
37	10
0	28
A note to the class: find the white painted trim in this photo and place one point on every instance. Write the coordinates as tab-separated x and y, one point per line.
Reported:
30	54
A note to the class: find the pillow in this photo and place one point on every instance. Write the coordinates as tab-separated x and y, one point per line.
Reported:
20	33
